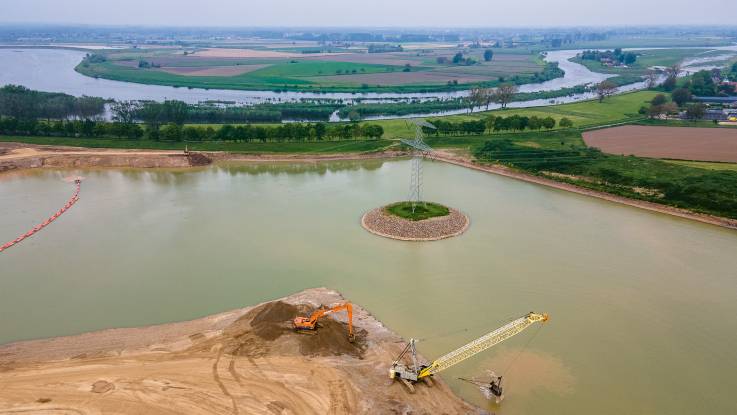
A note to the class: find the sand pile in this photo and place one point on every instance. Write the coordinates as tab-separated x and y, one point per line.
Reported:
267	329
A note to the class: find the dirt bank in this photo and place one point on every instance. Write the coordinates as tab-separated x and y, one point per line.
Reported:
19	156
16	156
246	361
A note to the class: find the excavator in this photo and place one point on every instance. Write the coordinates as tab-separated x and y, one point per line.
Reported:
309	324
414	372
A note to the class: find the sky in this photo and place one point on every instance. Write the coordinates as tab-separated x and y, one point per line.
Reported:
370	13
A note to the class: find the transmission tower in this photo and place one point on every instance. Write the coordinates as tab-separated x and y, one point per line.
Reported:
420	150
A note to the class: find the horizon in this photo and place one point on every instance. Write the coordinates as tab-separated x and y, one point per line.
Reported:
383	14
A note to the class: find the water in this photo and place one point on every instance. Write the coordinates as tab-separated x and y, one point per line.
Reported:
642	305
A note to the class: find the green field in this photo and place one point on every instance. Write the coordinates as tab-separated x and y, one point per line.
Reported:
421	211
705	165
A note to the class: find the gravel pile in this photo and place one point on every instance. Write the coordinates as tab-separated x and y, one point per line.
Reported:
381	223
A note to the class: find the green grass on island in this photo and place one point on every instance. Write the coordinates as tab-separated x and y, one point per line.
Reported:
422	211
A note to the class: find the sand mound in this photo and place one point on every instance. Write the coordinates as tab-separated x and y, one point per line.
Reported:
268	329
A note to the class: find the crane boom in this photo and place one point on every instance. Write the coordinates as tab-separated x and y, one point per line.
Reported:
482	343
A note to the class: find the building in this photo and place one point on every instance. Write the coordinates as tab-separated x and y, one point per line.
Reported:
716	100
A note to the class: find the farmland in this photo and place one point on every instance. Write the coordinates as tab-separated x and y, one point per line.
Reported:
256	67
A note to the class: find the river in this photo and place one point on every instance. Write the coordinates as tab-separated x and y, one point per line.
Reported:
642	304
53	70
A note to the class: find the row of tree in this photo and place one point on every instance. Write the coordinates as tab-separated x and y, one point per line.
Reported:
24	104
175	132
258	133
495	123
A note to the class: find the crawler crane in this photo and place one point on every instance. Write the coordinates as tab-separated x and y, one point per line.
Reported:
309	324
410	374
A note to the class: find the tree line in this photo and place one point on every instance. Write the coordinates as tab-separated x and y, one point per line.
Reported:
22	103
493	123
173	132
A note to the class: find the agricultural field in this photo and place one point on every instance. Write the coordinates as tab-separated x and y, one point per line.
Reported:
697	144
312	68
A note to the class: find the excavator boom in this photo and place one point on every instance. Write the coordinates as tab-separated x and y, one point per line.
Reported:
310	323
482	343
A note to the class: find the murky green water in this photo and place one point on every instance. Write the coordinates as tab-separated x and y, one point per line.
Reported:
643	306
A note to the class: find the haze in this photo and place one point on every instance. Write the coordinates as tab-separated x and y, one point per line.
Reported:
373	13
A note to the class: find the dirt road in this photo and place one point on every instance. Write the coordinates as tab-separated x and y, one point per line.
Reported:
246	361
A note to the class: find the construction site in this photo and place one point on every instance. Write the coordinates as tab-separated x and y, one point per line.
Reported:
288	356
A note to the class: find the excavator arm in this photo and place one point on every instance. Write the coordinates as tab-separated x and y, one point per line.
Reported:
482	343
310	323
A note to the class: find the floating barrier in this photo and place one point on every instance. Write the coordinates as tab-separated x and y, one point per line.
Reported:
47	222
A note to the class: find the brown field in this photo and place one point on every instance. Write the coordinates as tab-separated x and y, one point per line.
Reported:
368	58
212	70
682	143
250	53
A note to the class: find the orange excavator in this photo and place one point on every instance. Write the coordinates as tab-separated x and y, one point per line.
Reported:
309	324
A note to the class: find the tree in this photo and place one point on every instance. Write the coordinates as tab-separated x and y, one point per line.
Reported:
458	58
489	121
630	58
651	78
504	94
565	123
488	55
681	96
605	89
176	112
549	122
89	107
172	132
671	77
124	111
479	97
695	111
659	99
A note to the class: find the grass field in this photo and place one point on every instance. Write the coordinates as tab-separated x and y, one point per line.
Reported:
705	165
422	210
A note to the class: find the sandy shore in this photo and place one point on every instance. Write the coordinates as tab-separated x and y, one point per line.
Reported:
19	156
245	361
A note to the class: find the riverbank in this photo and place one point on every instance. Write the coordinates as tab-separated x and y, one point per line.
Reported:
653	207
20	156
247	360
